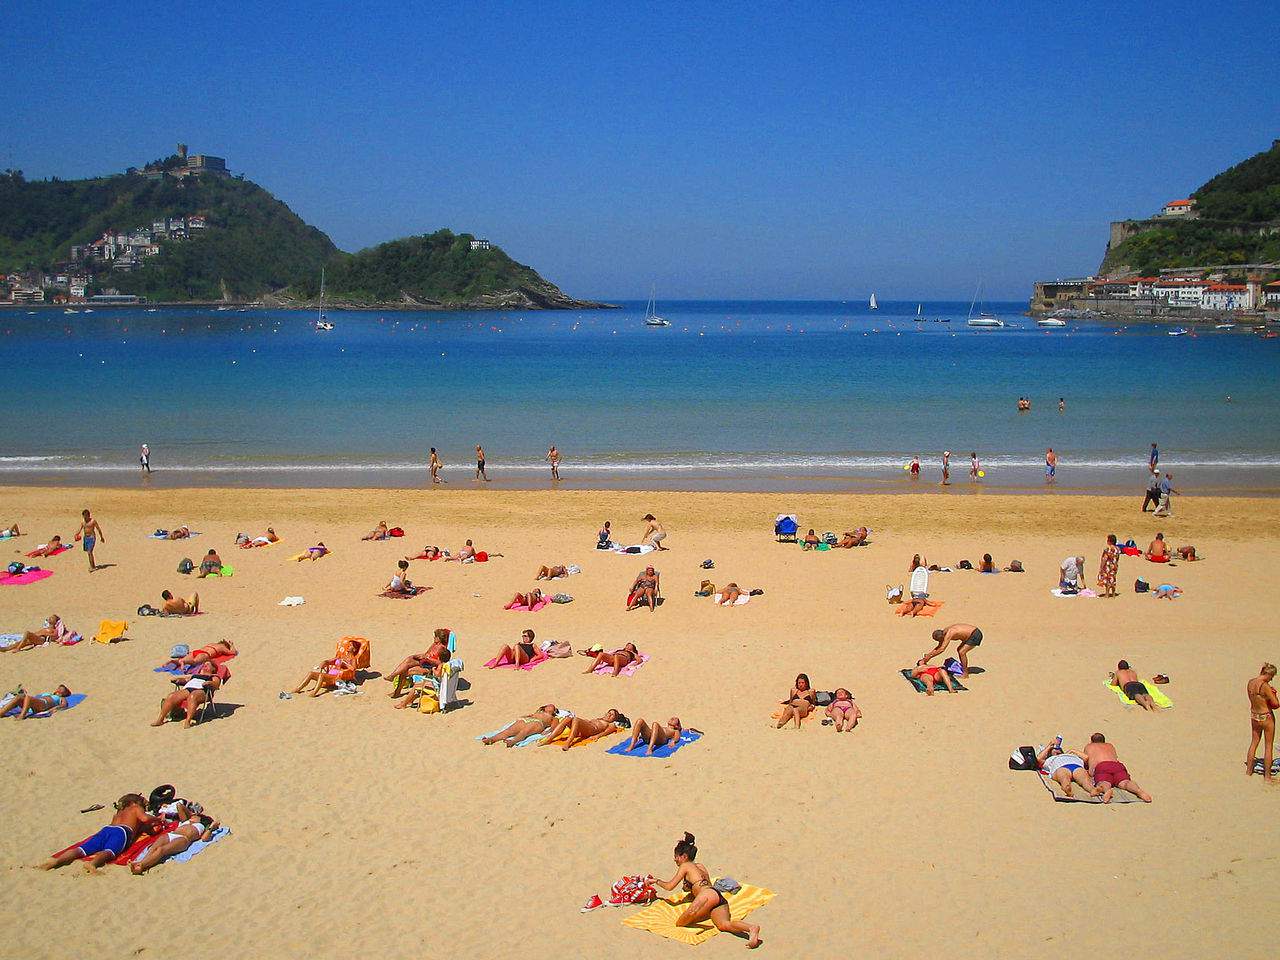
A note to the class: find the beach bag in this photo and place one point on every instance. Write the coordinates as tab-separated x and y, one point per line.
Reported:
726	885
1141	586
830	538
481	557
186	565
823	698
1024	758
161	534
631	550
146	610
16	568
631	890
965	565
180	650
395	532
893	594
562	598
708	564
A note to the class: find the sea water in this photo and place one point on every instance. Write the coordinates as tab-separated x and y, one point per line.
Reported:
733	395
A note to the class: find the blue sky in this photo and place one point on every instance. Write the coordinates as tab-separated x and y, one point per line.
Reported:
730	150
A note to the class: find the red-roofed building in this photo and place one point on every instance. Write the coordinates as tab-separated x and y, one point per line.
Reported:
1272	293
1226	296
1178	208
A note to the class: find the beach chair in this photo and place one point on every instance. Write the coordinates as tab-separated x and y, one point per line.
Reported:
785	527
352	650
446	688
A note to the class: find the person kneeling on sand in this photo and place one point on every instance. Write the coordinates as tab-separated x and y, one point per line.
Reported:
707	903
179	606
843	711
615	659
966	637
211	564
656	735
199	827
30	704
1066	768
580	728
539	721
131	819
1126	678
1108	772
932	676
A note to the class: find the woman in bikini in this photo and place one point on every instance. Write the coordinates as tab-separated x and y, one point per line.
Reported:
426	662
580	728
53	629
855	538
1263	704
30	704
706	901
730	594
519	654
50	549
530	599
616	659
428	553
539	721
656	735
314	553
377	533
195	692
327	672
199	827
843	711
223	648
799	703
644	590
552	572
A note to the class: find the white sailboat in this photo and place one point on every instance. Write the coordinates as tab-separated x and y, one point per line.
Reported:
983	320
874	305
651	318
919	313
322	323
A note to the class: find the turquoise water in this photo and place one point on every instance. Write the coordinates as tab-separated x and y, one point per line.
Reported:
732	395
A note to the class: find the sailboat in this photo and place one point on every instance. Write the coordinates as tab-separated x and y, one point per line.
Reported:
322	323
874	305
919	313
983	320
651	318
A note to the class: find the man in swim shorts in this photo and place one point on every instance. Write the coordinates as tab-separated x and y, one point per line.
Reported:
480	474
89	534
1108	772
965	635
1127	680
107	844
1050	465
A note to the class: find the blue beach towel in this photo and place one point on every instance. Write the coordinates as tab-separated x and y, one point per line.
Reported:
72	701
523	743
665	750
199	845
918	684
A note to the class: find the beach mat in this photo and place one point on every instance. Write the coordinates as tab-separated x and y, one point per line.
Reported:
521	608
1086	593
666	750
931	607
198	846
1157	694
36	552
538	659
22	579
661	915
72	701
918	685
564	736
1055	791
604	670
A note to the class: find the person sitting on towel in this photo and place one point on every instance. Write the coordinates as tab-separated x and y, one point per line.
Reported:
1066	768
194	693
604	538
811	540
657	735
855	538
53	629
1126	678
615	659
178	606
518	655
799	703
400	583
1158	551
181	533
987	565
580	728
466	554
427	662
55	544
932	676
29	704
212	563
552	572
645	589
377	533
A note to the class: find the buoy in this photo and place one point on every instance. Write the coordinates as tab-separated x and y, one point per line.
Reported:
906	466
982	473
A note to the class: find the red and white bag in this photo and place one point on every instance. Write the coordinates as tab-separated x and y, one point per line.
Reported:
631	890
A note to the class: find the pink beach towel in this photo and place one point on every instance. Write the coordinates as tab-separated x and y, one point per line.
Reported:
22	579
538	659
604	670
52	553
521	608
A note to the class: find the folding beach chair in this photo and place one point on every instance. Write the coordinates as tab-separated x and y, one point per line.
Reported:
785	527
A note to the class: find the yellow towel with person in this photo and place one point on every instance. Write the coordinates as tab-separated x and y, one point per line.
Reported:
1157	695
660	916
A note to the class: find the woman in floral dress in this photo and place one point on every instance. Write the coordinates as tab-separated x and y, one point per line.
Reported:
1108	567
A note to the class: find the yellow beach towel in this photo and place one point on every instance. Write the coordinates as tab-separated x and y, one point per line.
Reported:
660	917
306	555
564	735
1156	694
109	630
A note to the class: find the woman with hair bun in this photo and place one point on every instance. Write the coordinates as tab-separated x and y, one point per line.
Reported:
707	902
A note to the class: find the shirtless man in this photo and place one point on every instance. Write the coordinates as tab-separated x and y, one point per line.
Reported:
1159	549
480	474
1050	464
1126	678
654	534
177	606
1262	718
131	819
211	564
1107	770
434	465
89	533
965	635
553	458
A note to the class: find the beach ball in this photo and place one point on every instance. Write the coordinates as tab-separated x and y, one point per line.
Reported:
982	473
906	466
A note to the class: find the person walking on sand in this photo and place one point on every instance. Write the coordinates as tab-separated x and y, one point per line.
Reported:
1153	459
145	459
974	466
434	464
946	468
480	474
1165	507
1050	465
1262	719
553	458
1107	770
89	533
966	637
1109	566
1152	497
654	534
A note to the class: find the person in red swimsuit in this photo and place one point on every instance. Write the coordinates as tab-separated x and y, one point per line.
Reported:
932	677
1107	770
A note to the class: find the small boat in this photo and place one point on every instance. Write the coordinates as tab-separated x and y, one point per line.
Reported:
982	320
1180	332
651	318
1225	326
151	309
873	305
69	310
1050	322
322	322
87	310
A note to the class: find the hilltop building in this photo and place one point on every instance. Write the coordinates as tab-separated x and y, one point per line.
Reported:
1179	208
480	244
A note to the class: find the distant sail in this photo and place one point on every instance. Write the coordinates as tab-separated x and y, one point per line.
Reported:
874	305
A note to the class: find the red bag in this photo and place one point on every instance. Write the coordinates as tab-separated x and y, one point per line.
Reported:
395	532
481	557
632	890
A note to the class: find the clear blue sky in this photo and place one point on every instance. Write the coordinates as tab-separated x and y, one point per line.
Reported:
719	150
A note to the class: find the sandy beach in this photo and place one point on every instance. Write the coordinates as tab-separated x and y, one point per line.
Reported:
359	827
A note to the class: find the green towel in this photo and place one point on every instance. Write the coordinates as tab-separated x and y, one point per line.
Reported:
226	571
1156	694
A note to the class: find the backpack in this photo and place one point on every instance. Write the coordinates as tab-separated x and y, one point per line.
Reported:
708	564
965	565
830	538
1023	758
395	532
146	610
16	568
185	565
1141	586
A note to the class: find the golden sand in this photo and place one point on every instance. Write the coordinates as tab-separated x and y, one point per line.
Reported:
360	830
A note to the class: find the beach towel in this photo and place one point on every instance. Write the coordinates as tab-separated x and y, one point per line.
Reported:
12	707
226	571
918	684
604	670
660	916
815	712
22	579
109	630
134	850
666	750
250	544
564	735
9	639
198	846
737	603
53	553
1080	796
1063	595
635	550
291	602
540	657
930	608
1157	694
521	608
165	535
417	592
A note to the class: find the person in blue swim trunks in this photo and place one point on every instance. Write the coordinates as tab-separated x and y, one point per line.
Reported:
130	821
89	534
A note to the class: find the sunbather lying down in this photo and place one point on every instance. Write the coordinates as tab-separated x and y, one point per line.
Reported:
245	542
198	827
428	553
552	572
530	599
657	735
854	538
54	546
313	553
54	629
581	728
11	531
378	533
539	721
223	648
30	704
614	659
180	533
932	677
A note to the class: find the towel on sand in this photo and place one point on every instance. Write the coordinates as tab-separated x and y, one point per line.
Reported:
605	670
634	551
199	845
12	707
737	603
930	608
1080	796
661	915
1157	694
815	712
564	736
291	602
918	684
110	630
22	579
52	553
666	750
1058	592
539	657
226	571
521	608
134	850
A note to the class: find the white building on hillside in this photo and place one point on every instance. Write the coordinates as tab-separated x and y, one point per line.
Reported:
1226	296
1178	208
